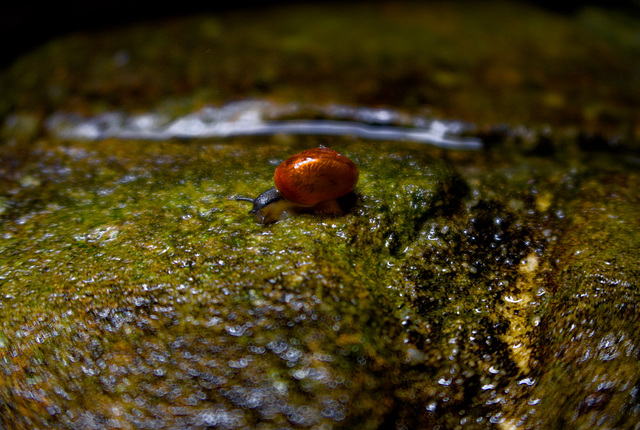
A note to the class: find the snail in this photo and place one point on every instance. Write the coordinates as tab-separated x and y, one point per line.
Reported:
314	180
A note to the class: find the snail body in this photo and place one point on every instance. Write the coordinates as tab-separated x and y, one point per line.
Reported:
310	181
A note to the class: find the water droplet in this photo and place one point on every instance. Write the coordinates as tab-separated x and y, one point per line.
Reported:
527	381
444	381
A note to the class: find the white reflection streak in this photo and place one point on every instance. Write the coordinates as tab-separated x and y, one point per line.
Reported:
212	122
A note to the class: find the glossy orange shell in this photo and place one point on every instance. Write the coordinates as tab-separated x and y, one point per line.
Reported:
315	175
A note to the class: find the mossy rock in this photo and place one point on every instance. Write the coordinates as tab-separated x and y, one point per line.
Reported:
461	289
160	300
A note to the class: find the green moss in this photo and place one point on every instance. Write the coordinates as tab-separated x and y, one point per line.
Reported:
591	333
149	245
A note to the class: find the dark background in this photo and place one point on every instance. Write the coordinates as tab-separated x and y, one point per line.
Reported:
27	24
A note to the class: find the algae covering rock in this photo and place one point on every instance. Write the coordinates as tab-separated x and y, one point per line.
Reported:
591	331
137	291
527	302
495	288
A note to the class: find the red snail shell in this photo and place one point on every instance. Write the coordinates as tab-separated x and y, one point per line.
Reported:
315	175
310	181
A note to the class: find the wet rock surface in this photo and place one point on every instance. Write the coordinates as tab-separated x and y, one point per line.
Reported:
153	298
468	289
